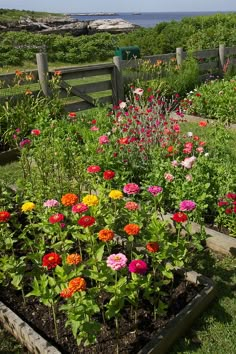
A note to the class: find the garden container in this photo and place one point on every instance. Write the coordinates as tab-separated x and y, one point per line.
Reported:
127	53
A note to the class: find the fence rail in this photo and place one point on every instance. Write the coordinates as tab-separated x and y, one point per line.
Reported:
85	87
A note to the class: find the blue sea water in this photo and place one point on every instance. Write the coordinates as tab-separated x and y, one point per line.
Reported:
147	19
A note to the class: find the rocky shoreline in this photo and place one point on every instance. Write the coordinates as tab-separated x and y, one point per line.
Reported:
68	25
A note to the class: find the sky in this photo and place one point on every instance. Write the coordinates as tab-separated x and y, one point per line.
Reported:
68	6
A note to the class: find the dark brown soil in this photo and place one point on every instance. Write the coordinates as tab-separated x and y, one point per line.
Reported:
131	339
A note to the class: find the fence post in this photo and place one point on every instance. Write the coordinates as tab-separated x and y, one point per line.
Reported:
42	64
179	56
221	58
117	81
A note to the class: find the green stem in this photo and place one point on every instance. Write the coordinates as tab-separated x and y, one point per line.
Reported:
55	321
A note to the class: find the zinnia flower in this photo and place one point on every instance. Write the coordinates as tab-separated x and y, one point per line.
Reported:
115	194
35	132
72	115
131	188
51	260
108	174
79	208
93	169
168	177
4	216
187	205
152	247
231	196
188	162
132	229
132	206
116	261
155	190
86	221
180	217
103	140
73	258
138	266
56	218
25	142
202	123
90	200
69	199
77	284
50	203
66	293
106	235
28	206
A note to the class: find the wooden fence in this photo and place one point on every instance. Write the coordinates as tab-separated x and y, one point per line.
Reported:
87	86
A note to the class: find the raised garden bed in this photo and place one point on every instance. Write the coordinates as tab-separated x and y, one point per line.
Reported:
198	292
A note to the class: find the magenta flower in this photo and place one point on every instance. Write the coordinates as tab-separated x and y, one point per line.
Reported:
50	203
103	140
187	205
117	261
79	208
131	188
155	190
25	142
138	266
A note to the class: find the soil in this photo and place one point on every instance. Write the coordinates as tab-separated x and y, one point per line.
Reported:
132	338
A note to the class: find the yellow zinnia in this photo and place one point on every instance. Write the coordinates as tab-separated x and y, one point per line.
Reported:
28	206
115	194
90	200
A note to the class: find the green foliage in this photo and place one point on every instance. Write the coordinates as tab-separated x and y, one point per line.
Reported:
213	99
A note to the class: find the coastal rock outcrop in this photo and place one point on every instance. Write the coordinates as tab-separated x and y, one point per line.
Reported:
69	25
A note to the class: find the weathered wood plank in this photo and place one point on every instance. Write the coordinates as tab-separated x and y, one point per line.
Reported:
11	78
80	106
206	53
230	50
86	71
76	91
208	66
95	86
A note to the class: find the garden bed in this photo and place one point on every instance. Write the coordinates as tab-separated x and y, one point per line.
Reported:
8	156
188	299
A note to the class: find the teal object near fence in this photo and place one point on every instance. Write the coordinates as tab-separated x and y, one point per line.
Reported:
127	53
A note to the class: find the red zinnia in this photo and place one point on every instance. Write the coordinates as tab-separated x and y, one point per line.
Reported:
51	260
202	123
4	216
66	293
86	221
56	218
108	174
93	169
152	247
180	217
35	132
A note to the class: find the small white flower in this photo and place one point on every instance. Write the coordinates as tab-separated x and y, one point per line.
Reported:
189	134
138	91
206	154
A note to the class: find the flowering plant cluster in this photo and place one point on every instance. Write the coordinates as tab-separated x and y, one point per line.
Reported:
89	215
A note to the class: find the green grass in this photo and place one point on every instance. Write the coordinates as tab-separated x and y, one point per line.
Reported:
10	173
214	331
7	15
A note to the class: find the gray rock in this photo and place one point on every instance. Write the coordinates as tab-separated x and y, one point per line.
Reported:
117	25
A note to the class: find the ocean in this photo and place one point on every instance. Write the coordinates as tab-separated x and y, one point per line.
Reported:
146	19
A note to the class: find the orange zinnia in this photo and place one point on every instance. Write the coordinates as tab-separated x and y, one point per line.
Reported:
69	199
106	235
73	258
152	247
132	229
77	284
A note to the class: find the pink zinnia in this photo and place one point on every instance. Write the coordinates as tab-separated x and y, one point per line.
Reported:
155	190
94	128
131	188
25	142
168	177
116	261
103	140
138	266
50	203
187	205
131	206
79	208
93	169
188	162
